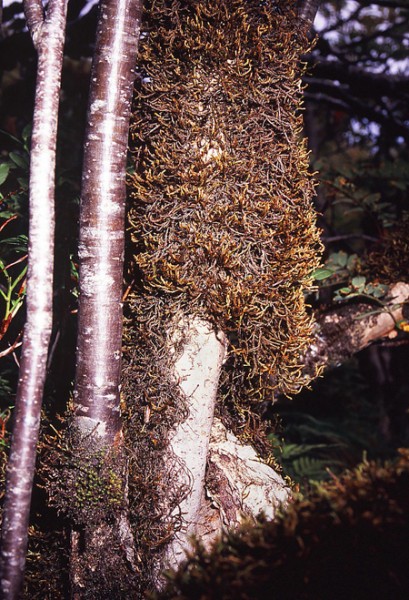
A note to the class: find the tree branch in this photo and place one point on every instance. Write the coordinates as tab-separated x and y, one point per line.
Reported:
34	12
307	11
340	334
365	81
353	106
385	3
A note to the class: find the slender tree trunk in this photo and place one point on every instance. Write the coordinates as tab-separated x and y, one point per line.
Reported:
101	246
48	36
101	251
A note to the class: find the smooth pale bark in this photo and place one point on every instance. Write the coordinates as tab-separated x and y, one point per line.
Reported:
97	416
48	36
102	216
242	485
198	361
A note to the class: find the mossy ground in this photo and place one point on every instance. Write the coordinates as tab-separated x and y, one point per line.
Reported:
346	539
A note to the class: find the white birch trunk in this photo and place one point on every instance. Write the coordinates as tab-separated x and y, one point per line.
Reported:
242	485
47	32
197	370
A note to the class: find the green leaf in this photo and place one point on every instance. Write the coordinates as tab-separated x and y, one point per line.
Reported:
373	198
320	274
358	282
26	133
19	160
23	182
17	243
340	258
10	137
352	260
401	185
380	290
4	172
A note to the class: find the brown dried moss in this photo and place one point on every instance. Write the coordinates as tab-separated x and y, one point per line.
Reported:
220	215
220	220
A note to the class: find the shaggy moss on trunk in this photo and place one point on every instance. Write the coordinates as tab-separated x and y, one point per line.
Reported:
223	234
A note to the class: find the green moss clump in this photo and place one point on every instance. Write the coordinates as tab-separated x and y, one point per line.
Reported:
84	483
348	539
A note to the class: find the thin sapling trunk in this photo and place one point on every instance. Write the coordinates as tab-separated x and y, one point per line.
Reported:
48	36
96	431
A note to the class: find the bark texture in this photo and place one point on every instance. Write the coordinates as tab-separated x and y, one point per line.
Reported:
340	334
306	12
102	536
197	371
48	36
101	245
239	486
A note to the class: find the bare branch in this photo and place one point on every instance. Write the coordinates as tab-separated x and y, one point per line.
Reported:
386	3
341	333
364	80
307	11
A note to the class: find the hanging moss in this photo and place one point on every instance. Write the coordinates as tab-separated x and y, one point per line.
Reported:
220	221
348	539
221	214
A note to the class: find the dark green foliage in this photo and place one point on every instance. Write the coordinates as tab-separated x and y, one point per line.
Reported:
347	539
333	426
389	260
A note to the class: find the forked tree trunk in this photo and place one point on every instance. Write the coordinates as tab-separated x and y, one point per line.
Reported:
238	484
48	37
197	369
97	422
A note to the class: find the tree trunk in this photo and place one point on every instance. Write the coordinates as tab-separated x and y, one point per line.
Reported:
307	9
197	367
96	428
224	235
48	36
